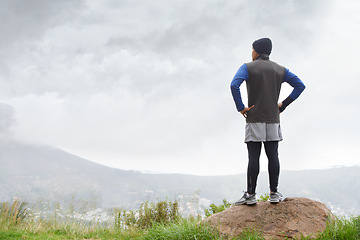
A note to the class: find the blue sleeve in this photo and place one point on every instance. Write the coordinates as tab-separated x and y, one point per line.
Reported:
295	82
241	75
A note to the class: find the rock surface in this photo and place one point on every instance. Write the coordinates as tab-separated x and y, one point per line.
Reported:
290	218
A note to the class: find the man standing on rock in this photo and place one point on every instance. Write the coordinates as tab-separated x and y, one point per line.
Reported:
263	81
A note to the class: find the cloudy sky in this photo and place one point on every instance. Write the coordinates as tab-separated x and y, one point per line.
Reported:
145	85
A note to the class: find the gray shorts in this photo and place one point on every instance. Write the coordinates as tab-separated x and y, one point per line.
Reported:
262	132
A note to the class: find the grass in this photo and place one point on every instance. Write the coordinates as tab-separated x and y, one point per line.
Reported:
159	220
185	229
72	231
342	229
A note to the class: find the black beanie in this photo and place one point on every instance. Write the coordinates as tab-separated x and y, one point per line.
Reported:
262	46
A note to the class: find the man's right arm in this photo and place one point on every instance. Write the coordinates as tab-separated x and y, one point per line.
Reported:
298	86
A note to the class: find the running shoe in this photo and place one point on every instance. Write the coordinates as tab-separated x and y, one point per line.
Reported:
248	199
276	197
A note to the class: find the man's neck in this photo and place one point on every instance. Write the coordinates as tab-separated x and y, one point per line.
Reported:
263	57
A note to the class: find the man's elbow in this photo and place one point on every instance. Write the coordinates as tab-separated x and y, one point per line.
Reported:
234	86
302	87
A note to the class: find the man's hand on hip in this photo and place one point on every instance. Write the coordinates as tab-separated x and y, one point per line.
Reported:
245	110
280	105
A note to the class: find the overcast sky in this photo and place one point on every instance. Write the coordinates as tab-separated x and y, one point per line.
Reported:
145	85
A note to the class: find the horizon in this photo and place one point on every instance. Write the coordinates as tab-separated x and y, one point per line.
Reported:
262	170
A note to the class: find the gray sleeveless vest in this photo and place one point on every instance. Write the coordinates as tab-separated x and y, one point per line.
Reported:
263	87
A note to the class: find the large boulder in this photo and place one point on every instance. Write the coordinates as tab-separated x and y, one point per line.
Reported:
290	218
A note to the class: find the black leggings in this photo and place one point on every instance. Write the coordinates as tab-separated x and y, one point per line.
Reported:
271	149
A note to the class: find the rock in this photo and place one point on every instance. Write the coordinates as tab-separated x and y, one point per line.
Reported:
290	218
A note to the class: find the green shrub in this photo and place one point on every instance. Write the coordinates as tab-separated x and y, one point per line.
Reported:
264	198
13	214
215	209
163	212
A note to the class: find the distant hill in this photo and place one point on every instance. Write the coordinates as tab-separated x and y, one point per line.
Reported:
33	173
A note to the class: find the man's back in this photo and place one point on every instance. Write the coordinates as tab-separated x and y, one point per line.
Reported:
263	86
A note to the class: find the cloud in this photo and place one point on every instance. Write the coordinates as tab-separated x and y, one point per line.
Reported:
7	118
24	21
145	84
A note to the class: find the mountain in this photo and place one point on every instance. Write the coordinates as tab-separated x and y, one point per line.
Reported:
35	173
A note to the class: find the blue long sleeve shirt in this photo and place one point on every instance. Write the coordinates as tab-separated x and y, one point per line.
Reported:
243	75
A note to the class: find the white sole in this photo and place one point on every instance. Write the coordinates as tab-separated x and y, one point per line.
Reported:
252	202
276	200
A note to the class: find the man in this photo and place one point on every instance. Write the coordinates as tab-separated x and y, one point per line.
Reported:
263	81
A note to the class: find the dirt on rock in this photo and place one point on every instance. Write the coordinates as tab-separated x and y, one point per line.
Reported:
291	218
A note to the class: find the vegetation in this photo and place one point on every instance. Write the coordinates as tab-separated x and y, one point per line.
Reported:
162	212
13	213
215	209
159	220
264	198
342	229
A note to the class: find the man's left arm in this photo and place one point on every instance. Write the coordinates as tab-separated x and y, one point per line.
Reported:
241	75
298	86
